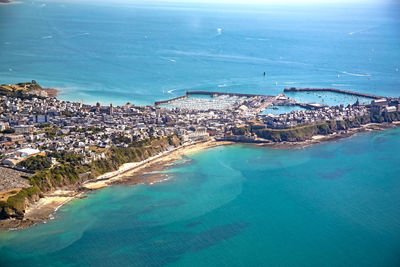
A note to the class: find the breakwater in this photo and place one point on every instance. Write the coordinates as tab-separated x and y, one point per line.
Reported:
170	100
213	94
210	93
294	89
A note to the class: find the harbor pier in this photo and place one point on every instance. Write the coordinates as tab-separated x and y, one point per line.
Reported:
162	102
215	94
294	89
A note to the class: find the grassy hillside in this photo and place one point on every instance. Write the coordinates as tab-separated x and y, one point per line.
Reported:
71	171
305	132
19	89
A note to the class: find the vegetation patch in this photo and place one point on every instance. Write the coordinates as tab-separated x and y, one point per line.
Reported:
71	169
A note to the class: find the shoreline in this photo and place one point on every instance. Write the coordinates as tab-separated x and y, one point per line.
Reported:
164	158
10	3
317	139
130	173
51	92
133	173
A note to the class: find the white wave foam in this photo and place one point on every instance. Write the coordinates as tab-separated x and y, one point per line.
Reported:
363	30
159	181
257	39
232	57
170	91
219	31
79	34
170	59
357	74
222	85
47	37
289	82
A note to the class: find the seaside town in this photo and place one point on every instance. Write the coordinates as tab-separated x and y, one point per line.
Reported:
36	124
33	122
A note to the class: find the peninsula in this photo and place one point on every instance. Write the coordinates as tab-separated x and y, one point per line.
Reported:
4	2
54	150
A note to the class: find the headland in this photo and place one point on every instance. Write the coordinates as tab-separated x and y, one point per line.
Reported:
63	149
9	2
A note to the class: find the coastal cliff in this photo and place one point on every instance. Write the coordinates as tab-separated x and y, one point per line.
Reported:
306	132
27	90
71	172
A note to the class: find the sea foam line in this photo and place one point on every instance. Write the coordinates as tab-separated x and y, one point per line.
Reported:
363	30
357	74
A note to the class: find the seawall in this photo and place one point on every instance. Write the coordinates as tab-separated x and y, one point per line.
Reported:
220	93
294	89
170	100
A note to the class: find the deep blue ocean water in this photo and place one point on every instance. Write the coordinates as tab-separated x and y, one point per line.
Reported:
140	53
332	204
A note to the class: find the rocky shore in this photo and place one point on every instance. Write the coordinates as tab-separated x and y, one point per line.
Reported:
144	172
316	139
51	92
149	171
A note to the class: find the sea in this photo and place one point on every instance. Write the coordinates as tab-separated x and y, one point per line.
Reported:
331	204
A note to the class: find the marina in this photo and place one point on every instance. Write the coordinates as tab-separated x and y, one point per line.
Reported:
203	102
294	99
334	90
326	97
214	94
159	133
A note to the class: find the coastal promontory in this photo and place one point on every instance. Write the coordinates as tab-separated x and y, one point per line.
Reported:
48	144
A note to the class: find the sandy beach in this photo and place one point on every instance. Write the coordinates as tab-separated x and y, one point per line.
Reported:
147	172
49	204
156	163
129	173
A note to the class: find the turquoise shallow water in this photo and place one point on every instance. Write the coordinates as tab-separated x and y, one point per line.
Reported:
332	204
113	52
327	98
